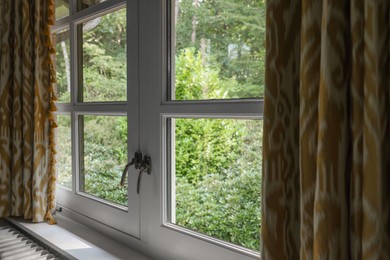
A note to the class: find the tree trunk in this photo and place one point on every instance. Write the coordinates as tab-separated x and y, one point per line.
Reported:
67	65
176	11
176	19
194	21
203	50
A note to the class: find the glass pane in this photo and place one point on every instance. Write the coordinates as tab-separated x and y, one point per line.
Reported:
62	61
218	48
64	158
104	150
216	178
104	58
83	4
62	8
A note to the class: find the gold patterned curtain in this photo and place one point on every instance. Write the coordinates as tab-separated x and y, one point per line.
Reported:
326	176
26	104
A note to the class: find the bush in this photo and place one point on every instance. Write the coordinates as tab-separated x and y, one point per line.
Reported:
226	207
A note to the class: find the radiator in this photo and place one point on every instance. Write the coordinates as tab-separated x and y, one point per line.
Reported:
14	245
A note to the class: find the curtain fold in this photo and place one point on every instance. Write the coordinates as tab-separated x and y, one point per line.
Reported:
326	174
27	176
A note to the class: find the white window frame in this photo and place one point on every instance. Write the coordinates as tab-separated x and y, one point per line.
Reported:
154	235
74	200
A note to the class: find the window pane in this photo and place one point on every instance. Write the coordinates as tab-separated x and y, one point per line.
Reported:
62	61
104	156
83	4
104	58
64	144
218	48
216	178
62	8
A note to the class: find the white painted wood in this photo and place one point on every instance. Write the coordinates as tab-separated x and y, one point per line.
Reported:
118	217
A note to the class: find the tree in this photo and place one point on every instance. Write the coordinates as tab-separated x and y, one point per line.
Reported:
231	34
217	162
104	59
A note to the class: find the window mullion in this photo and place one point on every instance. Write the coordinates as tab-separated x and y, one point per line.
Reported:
73	80
73	6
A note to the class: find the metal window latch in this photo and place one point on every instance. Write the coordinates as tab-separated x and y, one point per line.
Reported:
144	165
136	161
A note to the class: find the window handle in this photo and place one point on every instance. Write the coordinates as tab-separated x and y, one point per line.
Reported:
146	166
136	161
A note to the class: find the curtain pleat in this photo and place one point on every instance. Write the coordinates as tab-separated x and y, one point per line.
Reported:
308	123
326	171
280	201
357	110
26	149
376	132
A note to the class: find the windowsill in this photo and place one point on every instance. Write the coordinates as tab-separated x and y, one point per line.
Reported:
77	240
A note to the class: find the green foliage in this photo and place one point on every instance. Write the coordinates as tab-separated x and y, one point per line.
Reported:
64	160
104	59
62	71
206	146
226	207
218	180
231	36
195	80
218	161
105	155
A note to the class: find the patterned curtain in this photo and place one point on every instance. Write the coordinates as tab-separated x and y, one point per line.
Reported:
26	104
326	176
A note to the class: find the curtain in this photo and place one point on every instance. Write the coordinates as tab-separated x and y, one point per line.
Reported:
326	172
27	176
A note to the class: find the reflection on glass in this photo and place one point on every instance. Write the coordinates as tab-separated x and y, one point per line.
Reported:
83	4
62	9
104	156
104	58
218	49
62	61
216	178
64	158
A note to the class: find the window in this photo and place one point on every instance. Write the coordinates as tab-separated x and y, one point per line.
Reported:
213	129
180	81
215	177
95	96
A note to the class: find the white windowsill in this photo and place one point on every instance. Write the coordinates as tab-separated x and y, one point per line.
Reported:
77	240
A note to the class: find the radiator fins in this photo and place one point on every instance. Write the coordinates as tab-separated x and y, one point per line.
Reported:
14	245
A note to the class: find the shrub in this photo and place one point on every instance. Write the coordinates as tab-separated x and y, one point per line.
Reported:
226	207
